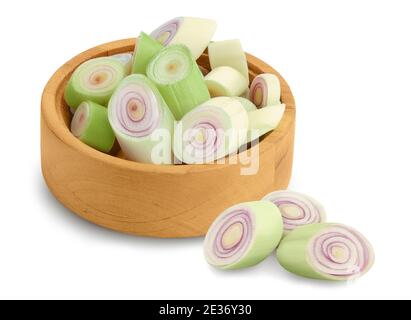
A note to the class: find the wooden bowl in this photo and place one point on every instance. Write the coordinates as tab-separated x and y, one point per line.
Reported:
145	199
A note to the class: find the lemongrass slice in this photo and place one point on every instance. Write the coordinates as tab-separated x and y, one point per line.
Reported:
90	124
296	209
326	251
228	53
247	104
264	120
265	90
140	117
146	48
195	33
94	80
225	82
179	79
243	235
211	131
126	59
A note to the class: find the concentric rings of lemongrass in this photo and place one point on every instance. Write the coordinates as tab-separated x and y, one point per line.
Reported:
243	235
195	33
211	131
90	125
265	90
94	80
80	119
296	209
166	32
326	251
137	112
178	78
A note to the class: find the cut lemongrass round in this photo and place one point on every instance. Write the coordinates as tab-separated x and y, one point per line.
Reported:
195	33
265	90
228	53
264	120
90	124
126	59
211	131
247	104
243	235
179	79
146	48
226	82
141	120
297	209
326	251
94	80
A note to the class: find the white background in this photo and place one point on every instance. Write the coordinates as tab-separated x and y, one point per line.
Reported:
349	66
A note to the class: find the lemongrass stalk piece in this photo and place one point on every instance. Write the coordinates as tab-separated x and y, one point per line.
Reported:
126	59
326	251
146	48
211	131
296	209
226	81
141	120
243	235
94	80
228	53
90	124
247	104
195	33
179	79
265	90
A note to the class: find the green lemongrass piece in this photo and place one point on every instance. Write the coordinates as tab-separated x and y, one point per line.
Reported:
264	120
94	80
146	48
247	104
90	124
228	53
297	209
326	251
195	33
179	79
126	59
211	131
226	81
265	90
141	120
243	235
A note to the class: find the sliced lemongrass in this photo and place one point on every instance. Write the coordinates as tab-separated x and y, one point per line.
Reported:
247	104
211	131
264	120
94	80
296	209
226	82
126	59
228	53
326	251
146	48
139	117
179	79
90	124
243	235
265	90
195	33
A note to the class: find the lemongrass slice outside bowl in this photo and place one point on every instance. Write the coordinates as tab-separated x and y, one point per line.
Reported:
243	235
297	209
326	251
146	199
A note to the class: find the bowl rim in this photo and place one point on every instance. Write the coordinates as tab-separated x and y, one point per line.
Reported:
53	119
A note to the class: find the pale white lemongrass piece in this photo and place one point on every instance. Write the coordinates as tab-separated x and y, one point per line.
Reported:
225	82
